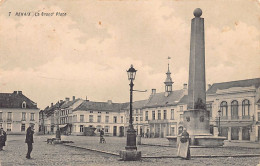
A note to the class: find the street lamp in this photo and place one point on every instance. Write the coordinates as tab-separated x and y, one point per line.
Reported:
219	114
131	133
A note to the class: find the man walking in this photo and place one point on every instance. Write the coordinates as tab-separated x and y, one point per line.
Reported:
101	140
29	140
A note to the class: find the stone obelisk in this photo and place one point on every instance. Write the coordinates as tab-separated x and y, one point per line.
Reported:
196	118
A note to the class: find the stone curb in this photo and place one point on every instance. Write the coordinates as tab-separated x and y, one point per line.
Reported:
193	156
201	146
95	150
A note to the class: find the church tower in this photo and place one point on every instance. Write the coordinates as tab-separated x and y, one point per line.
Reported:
168	82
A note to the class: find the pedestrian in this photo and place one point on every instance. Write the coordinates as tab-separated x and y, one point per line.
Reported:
184	145
101	140
2	138
29	140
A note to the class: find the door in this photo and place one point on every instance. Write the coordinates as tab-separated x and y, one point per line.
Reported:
121	131
234	133
224	132
246	133
114	131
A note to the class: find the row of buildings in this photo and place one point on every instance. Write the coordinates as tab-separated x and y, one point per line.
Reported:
234	112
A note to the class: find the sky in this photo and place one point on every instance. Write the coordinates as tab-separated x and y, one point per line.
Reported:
87	52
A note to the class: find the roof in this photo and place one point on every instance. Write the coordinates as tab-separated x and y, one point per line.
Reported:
101	106
50	110
184	100
67	104
240	83
15	100
138	104
159	99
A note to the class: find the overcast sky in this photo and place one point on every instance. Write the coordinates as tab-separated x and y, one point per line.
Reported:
87	52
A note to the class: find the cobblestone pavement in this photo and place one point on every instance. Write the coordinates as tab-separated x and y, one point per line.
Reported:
43	154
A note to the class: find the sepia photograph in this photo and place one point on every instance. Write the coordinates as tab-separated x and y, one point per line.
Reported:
130	82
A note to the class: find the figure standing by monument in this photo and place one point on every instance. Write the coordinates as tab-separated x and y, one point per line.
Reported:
184	145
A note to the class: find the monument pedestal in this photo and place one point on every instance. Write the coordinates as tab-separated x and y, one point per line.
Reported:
130	155
197	123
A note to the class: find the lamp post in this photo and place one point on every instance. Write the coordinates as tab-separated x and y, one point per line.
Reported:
219	114
130	152
131	133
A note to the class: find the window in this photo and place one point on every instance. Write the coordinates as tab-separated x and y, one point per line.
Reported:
90	118
245	109
122	119
1	125
115	119
165	114
81	118
107	112
159	114
32	117
234	109
258	106
91	111
181	108
146	115
23	116
258	116
107	119
99	112
106	129
141	118
209	108
9	127
9	116
224	108
81	128
153	115
136	118
136	111
24	104
172	113
99	118
1	116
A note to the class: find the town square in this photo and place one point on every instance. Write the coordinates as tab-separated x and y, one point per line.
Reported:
130	83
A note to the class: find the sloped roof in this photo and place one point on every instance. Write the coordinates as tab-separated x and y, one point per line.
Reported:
67	104
184	100
101	106
240	83
50	110
138	104
15	100
159	99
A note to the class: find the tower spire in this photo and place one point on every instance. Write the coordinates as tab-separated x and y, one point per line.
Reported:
168	82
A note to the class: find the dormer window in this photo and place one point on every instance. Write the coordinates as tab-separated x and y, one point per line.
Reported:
24	104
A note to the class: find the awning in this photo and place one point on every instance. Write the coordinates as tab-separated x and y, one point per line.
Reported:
64	125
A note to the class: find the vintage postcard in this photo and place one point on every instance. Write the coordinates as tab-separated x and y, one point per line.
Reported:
129	82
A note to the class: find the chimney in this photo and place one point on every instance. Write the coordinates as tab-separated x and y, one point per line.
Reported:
153	91
15	92
109	101
20	92
185	86
87	98
52	104
67	99
73	98
209	86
